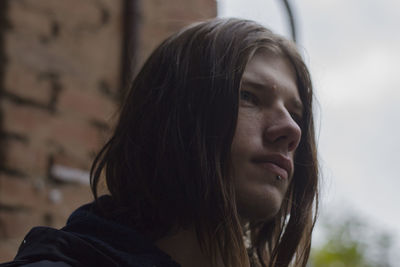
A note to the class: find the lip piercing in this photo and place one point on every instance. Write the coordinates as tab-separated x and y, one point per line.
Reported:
278	177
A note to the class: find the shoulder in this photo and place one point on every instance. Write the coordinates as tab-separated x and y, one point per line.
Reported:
45	246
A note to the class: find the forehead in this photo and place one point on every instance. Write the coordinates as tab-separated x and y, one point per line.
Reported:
272	71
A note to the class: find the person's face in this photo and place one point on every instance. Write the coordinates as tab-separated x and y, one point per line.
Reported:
266	137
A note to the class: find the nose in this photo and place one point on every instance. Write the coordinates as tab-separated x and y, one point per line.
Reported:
282	130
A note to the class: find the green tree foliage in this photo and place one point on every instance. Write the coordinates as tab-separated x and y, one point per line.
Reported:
351	243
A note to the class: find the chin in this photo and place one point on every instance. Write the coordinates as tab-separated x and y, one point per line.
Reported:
259	207
261	215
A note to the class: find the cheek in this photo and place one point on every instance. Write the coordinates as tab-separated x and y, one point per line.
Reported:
257	194
247	134
246	142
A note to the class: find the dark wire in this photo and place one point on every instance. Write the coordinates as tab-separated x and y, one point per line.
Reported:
291	19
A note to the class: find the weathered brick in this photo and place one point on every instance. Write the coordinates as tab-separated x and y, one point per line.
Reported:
186	11
17	192
77	137
25	120
72	12
86	104
26	21
74	52
77	161
44	204
16	224
34	55
28	158
8	248
26	83
43	126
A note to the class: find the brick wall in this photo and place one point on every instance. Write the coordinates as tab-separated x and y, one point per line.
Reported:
60	81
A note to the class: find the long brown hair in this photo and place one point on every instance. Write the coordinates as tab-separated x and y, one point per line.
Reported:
167	165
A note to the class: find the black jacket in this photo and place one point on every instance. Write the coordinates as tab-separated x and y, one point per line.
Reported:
89	239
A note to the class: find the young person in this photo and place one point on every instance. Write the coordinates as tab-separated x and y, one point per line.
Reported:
212	162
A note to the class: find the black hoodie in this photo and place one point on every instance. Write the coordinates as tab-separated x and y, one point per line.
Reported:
89	239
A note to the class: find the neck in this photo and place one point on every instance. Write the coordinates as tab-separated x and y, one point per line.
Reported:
183	246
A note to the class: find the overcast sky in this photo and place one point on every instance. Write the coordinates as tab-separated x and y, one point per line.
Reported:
353	51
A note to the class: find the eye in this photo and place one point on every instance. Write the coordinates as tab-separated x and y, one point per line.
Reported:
248	97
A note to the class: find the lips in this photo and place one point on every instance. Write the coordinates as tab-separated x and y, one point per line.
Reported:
275	163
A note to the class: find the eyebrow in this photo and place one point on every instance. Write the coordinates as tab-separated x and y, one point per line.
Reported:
254	85
296	103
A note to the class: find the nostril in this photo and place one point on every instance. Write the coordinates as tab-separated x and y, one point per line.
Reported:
295	141
293	145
